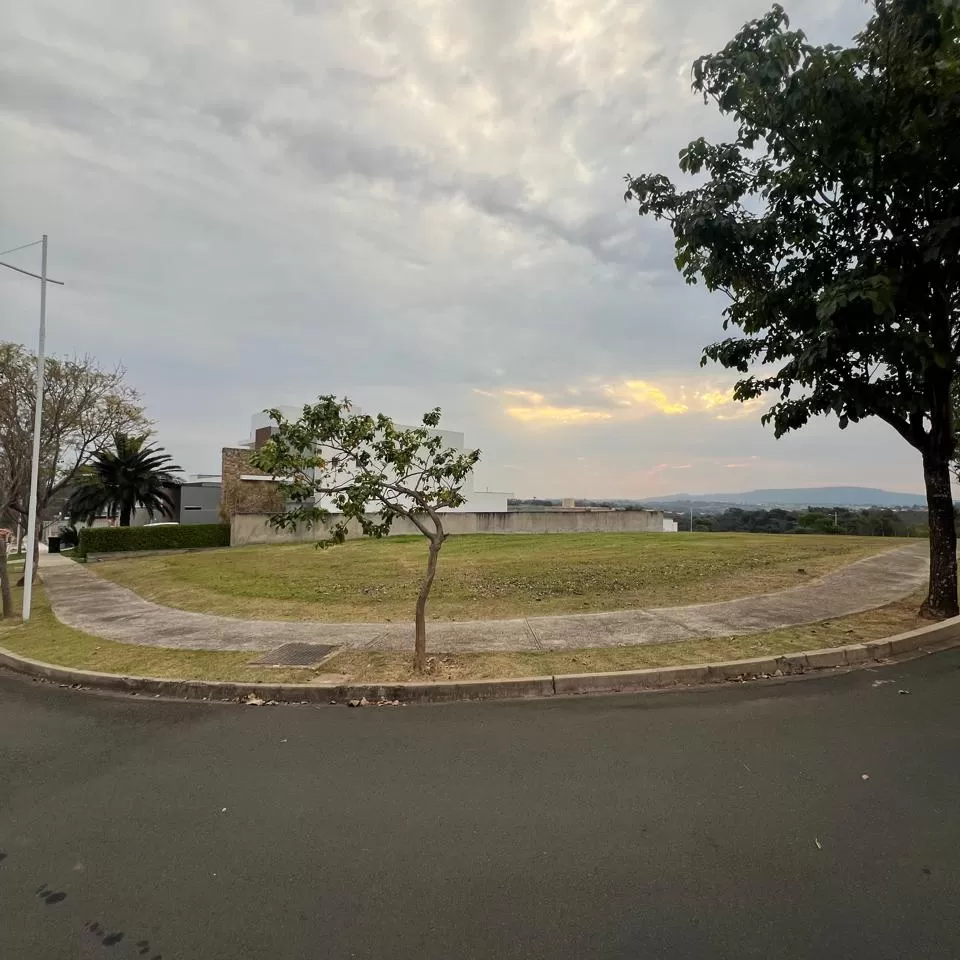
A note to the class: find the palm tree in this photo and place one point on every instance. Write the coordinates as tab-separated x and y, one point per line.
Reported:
130	475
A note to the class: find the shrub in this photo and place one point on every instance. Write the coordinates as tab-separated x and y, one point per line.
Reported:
174	537
69	536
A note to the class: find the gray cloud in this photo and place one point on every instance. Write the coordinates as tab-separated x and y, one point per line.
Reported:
254	203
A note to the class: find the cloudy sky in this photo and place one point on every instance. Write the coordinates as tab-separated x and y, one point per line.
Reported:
413	203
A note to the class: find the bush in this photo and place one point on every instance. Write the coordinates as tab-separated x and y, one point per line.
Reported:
69	536
174	537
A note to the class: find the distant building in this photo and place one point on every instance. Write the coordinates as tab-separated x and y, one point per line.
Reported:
570	503
248	490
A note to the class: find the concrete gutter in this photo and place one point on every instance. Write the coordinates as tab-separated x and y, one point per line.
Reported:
939	636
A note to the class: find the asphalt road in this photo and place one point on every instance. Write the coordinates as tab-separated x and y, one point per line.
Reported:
730	823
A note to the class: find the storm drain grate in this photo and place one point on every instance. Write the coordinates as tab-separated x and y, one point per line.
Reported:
295	655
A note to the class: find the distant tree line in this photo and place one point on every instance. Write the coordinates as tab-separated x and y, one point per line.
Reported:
868	522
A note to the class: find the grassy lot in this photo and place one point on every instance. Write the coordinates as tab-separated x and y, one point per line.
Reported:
45	638
484	576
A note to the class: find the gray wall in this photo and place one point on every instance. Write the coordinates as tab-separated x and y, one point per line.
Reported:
200	503
253	528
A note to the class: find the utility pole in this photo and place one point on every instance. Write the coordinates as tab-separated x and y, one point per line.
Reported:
28	566
691	519
35	462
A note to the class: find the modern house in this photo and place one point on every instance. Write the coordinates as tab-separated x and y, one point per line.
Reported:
196	500
248	490
250	497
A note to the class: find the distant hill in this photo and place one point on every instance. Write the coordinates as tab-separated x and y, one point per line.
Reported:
801	497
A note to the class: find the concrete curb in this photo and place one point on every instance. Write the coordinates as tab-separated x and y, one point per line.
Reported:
938	636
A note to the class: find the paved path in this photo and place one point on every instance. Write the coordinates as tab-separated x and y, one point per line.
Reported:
85	601
731	824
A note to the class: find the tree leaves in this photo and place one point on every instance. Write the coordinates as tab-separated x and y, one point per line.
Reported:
84	405
332	457
831	220
119	480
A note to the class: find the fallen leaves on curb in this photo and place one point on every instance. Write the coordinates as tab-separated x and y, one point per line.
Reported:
364	702
747	677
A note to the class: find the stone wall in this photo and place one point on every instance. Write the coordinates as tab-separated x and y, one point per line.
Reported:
253	528
246	496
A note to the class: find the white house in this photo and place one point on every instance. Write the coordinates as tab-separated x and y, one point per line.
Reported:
477	501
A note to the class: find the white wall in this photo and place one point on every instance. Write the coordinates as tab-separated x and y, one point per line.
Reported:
476	501
482	501
248	528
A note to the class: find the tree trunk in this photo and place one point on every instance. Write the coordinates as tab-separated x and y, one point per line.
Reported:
941	599
420	643
36	561
5	596
126	512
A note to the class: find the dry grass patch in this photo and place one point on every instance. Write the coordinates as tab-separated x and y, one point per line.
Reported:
485	577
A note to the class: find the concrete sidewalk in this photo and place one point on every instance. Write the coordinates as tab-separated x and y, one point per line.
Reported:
83	600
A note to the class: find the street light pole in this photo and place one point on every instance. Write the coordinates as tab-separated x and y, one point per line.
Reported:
28	566
35	463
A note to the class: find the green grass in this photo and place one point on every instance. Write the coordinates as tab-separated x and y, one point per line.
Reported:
45	638
484	577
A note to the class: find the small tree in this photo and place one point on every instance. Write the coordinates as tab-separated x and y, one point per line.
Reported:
336	466
117	481
832	224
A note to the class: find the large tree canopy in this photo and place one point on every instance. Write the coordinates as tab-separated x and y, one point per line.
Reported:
83	407
831	221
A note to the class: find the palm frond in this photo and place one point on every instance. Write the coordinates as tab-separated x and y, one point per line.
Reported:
118	480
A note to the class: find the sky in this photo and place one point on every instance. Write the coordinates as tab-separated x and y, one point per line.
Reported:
411	204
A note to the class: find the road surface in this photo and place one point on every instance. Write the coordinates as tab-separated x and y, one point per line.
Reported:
812	819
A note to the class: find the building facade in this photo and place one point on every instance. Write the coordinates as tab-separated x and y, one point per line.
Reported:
247	490
200	501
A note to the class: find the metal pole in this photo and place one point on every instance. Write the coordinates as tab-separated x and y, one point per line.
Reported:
35	464
691	519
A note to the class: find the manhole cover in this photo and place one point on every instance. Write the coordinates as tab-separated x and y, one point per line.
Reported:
295	655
